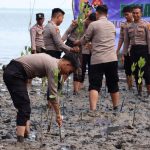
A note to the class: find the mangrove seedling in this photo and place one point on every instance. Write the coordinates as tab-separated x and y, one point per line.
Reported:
26	51
140	64
84	9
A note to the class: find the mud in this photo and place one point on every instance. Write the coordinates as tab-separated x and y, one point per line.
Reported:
80	130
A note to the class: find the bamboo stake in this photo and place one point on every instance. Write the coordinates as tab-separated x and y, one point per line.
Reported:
60	134
50	123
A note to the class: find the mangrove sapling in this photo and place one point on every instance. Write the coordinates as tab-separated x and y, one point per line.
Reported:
26	51
51	96
50	122
58	94
60	134
140	64
83	11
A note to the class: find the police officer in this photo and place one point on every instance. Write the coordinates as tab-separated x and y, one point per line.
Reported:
103	57
138	35
27	67
52	38
126	59
71	35
36	33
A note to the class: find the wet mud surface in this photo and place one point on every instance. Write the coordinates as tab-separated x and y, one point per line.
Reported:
81	129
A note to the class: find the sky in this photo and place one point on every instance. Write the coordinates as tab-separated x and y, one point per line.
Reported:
64	4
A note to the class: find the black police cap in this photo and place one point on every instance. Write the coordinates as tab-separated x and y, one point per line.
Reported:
39	16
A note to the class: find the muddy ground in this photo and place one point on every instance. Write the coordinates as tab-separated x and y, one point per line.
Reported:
80	131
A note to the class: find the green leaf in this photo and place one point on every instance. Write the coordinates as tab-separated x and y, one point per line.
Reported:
56	72
142	73
60	93
22	53
81	17
29	49
81	6
44	83
141	62
86	10
133	67
139	80
52	96
26	51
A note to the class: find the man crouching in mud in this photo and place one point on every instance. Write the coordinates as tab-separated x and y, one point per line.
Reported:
17	73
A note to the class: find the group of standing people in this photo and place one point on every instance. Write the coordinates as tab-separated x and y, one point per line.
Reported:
96	48
136	38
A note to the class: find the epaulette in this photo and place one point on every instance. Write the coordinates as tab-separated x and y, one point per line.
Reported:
124	24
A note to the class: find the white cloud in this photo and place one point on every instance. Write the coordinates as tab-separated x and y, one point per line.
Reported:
66	4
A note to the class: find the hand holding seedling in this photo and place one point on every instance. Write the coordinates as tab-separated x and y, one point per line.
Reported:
75	49
56	107
74	23
59	120
88	46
